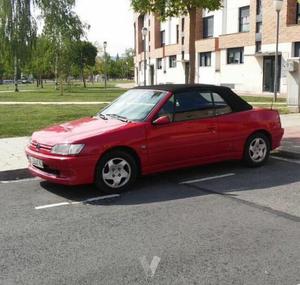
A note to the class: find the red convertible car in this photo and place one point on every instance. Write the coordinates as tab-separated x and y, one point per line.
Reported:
153	129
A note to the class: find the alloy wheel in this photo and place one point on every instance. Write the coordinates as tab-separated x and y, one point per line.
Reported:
116	173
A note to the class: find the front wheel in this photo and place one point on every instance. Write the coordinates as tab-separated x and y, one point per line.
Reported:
257	150
116	172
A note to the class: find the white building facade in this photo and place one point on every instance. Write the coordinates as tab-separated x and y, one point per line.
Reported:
235	46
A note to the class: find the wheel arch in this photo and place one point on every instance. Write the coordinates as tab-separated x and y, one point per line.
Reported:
260	131
126	149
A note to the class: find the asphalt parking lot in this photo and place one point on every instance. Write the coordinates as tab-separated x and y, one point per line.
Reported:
217	224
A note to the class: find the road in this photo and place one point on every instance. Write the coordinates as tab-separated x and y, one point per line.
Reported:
217	224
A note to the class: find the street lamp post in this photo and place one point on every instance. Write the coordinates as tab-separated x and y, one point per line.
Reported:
105	65
278	6
144	34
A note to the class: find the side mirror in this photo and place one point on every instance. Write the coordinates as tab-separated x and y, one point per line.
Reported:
164	120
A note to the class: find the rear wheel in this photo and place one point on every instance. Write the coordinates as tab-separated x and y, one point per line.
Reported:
257	150
116	172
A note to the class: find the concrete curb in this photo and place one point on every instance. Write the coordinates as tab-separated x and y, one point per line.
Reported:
12	175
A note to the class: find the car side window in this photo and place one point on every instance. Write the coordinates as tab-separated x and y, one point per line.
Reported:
167	109
221	106
193	105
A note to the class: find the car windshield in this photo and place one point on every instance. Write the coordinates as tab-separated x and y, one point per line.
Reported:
134	105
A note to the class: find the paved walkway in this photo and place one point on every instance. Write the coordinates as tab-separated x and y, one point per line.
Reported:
291	140
13	157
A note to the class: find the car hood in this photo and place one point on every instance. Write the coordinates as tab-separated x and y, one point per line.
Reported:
75	131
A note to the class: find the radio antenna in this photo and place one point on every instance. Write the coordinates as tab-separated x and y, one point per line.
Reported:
272	105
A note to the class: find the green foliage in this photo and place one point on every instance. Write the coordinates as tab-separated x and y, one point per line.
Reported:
121	67
84	57
171	8
17	29
40	65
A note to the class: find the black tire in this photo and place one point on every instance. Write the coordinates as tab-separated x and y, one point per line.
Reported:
250	154
106	185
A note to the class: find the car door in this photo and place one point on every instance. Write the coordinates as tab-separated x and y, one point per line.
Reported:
190	137
231	128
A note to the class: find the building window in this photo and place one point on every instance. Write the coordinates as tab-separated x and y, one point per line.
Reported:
172	61
177	34
135	49
208	27
235	55
297	49
182	24
258	46
182	40
159	63
298	14
244	19
259	27
205	59
162	38
258	7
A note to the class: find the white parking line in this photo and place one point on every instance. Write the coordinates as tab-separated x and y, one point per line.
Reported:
20	180
286	159
77	203
207	178
52	206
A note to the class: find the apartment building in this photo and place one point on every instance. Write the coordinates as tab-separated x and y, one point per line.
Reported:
235	46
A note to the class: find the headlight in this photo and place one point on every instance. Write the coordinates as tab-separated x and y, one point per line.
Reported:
67	149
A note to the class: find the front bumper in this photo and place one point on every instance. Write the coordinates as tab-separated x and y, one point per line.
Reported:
71	170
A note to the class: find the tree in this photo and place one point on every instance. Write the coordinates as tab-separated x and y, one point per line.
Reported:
175	8
85	56
17	32
40	64
62	28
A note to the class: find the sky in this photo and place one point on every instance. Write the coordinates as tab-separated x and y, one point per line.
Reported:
110	20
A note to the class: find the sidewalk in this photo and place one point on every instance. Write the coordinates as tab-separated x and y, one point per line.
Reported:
291	140
13	157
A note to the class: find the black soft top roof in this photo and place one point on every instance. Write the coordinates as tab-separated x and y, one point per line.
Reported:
236	103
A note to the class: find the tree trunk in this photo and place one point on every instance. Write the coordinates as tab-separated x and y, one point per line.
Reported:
41	81
83	78
61	87
192	47
16	73
56	72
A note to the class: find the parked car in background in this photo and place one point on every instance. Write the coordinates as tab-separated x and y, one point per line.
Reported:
153	129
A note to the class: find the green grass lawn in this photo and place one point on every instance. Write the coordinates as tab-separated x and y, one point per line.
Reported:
262	99
76	93
21	120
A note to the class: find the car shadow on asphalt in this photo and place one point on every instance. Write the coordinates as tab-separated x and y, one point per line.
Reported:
166	186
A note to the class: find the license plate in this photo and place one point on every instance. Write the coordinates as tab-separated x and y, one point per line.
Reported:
36	162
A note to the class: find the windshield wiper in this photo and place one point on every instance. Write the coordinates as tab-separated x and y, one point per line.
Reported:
102	116
121	118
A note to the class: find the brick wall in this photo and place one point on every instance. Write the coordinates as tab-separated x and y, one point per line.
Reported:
289	31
